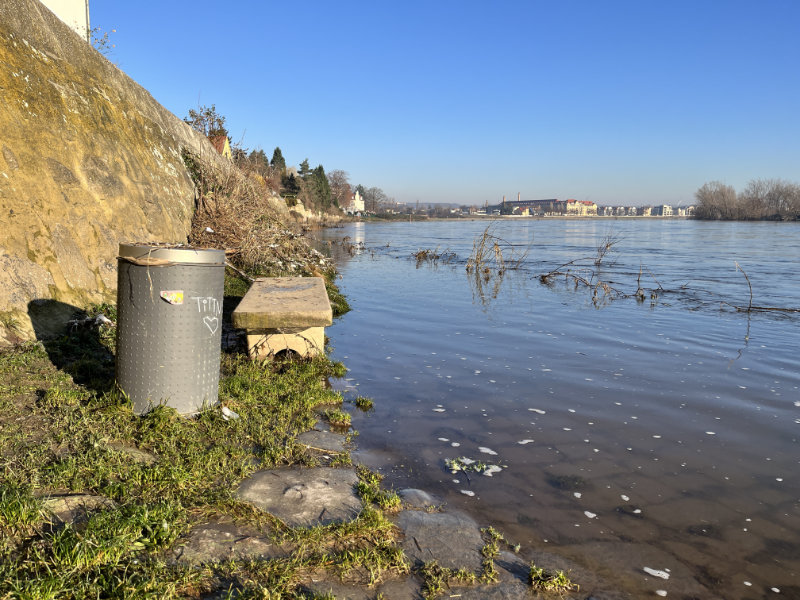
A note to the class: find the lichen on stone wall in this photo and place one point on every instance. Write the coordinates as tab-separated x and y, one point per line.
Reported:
89	160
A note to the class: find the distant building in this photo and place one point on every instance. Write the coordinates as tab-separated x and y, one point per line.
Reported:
355	204
662	210
581	208
74	13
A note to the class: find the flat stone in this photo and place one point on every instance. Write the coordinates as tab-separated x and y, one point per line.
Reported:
304	497
418	498
135	454
452	539
326	441
74	508
216	542
284	302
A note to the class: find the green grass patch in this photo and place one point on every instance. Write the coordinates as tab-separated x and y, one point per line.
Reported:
65	430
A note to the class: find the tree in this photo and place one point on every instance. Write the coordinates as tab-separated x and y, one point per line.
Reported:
207	121
340	187
304	169
374	198
715	200
278	162
770	199
291	187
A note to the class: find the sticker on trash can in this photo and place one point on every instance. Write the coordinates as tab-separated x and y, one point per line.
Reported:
173	296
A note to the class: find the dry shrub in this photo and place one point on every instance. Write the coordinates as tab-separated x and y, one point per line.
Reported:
240	214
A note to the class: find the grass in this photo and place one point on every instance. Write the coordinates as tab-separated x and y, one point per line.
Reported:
64	429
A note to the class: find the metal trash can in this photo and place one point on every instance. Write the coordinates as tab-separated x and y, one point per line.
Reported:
169	325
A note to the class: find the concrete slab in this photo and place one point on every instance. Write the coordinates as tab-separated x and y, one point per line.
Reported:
284	302
304	497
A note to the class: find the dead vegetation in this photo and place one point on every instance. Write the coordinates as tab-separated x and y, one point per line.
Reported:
585	272
490	259
238	213
434	256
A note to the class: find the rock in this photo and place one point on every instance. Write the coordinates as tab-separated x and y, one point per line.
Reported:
215	542
325	441
453	540
304	497
74	508
418	498
135	454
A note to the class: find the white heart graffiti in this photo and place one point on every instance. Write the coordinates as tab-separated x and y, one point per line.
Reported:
212	323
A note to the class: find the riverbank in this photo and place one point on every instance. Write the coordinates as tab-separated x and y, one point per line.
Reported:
98	502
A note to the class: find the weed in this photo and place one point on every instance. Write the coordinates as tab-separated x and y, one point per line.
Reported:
337	417
369	489
364	404
551	581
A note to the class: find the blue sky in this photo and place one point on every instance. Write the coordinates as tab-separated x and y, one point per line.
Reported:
618	102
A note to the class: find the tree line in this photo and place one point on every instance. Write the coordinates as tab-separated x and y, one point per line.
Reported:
315	188
761	199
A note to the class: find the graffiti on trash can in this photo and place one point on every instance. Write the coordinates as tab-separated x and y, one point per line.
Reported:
210	310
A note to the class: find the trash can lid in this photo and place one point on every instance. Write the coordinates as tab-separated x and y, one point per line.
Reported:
173	253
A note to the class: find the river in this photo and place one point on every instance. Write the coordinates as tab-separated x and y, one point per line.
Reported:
618	432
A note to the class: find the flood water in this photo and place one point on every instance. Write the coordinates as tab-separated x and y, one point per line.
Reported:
659	433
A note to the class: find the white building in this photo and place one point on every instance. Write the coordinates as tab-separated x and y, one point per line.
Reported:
74	13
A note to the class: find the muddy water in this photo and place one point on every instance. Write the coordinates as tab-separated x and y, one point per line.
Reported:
658	434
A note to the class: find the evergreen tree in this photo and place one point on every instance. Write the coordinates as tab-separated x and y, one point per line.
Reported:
322	187
278	161
291	186
304	170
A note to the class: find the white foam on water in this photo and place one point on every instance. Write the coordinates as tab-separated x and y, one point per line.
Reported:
710	433
577	494
591	515
523	442
661	593
747	583
439	410
572	410
776	590
469	493
567	429
537	410
486	450
443	440
624	497
658	437
656	572
455	444
491	470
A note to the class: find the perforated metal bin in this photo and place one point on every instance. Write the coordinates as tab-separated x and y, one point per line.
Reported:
169	326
